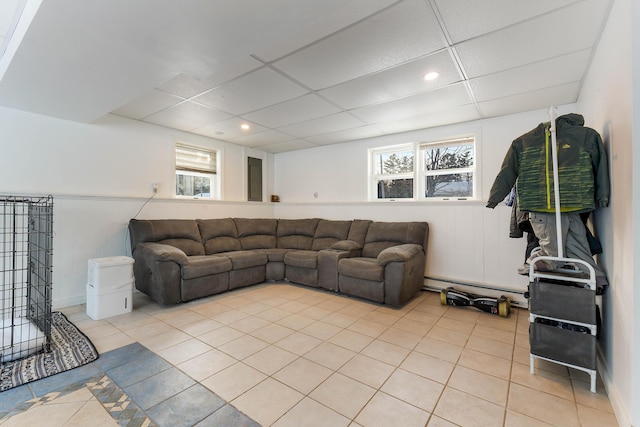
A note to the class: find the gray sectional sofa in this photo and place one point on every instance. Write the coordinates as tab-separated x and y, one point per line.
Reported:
178	260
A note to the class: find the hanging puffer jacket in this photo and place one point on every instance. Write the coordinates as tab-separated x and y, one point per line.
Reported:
583	171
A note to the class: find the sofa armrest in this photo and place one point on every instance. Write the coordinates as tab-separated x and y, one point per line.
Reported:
399	253
160	252
346	245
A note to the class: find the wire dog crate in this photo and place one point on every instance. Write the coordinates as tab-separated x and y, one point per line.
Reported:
26	241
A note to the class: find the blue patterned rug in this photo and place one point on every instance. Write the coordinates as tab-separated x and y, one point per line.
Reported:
70	348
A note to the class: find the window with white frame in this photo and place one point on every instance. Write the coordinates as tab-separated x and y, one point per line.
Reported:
393	172
196	172
445	169
449	168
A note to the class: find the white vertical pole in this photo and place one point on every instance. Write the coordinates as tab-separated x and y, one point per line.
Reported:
556	183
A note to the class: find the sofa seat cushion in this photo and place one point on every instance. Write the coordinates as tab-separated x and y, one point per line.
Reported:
362	268
275	254
304	259
246	259
200	266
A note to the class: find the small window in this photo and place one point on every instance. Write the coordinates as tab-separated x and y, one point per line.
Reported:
196	172
449	168
393	172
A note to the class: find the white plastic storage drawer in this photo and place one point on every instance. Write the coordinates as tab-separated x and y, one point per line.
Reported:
110	272
102	304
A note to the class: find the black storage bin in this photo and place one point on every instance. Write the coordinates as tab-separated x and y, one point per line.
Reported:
564	345
563	301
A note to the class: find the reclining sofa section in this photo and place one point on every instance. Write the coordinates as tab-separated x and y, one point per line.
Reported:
180	260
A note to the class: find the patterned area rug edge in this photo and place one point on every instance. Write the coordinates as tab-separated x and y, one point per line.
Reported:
70	348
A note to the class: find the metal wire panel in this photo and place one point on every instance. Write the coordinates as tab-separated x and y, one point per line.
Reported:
26	246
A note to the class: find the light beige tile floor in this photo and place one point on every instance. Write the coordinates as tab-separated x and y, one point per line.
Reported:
288	355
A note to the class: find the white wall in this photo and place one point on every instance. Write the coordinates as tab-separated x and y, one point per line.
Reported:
100	176
607	100
468	243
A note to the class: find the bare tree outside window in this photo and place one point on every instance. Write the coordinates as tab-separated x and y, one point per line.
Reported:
395	174
442	169
449	170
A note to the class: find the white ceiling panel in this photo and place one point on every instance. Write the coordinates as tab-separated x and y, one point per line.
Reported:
397	82
303	72
229	129
187	116
259	89
466	19
147	104
346	135
281	147
438	99
347	14
186	86
439	118
534	40
300	109
556	71
332	123
404	31
262	138
564	94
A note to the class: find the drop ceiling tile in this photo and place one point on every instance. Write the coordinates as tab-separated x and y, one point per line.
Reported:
540	75
281	147
262	138
563	31
187	116
463	113
147	104
397	82
347	135
306	107
400	33
332	123
349	13
438	99
256	90
187	86
564	94
466	19
229	129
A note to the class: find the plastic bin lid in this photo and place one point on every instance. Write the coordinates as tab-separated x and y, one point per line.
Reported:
111	261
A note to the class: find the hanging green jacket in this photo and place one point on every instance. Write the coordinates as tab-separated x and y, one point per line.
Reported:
583	171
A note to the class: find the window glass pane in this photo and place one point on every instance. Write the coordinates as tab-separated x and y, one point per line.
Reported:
448	157
394	162
395	188
449	185
193	185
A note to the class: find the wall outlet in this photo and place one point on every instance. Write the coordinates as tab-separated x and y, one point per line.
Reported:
155	187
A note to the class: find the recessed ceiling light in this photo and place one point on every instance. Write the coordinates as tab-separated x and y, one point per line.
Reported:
431	75
245	126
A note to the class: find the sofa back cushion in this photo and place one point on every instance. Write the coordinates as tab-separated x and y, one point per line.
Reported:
358	230
329	232
296	233
256	233
382	235
219	235
180	233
